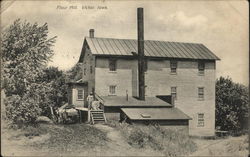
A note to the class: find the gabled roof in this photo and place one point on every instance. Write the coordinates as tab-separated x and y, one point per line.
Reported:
125	47
115	101
172	113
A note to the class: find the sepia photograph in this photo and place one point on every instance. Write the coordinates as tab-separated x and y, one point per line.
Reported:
124	78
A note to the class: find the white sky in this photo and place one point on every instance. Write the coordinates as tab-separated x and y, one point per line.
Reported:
222	26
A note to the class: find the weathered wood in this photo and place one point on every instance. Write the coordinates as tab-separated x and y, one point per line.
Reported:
141	76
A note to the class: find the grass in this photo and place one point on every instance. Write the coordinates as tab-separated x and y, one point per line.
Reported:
170	142
59	139
232	146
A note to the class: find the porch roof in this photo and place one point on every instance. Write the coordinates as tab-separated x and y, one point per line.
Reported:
121	101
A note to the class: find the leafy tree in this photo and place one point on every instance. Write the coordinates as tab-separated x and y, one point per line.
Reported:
75	73
56	92
26	49
231	104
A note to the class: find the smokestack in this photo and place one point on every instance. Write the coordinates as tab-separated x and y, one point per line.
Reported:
141	63
91	33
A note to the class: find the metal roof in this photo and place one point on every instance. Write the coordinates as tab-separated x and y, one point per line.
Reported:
115	101
125	47
172	113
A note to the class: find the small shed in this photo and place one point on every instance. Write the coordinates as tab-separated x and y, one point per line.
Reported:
165	117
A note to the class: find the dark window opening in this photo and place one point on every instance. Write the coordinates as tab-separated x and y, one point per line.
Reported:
84	71
201	68
173	67
91	70
112	65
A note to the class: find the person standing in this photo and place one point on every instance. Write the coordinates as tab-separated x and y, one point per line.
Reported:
90	99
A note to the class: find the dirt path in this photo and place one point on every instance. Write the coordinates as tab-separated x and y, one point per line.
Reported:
119	147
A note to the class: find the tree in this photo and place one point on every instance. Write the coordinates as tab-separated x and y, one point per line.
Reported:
75	73
56	91
231	104
26	49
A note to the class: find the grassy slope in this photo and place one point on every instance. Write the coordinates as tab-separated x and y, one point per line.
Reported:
169	142
87	140
49	139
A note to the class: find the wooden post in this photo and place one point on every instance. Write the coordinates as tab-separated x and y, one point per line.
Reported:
51	110
80	116
141	76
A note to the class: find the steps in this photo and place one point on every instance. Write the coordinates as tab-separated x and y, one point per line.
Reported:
97	116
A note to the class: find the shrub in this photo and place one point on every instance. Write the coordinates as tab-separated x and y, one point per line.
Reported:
21	110
172	142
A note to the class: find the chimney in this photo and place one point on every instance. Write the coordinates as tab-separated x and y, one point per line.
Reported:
141	63
91	33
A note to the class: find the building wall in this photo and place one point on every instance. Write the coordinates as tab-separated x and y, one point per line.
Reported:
73	92
112	113
178	125
187	80
121	78
159	81
88	76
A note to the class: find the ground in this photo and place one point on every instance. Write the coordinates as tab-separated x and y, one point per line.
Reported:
76	140
230	146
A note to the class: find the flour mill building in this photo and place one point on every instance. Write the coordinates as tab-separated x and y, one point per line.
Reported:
169	83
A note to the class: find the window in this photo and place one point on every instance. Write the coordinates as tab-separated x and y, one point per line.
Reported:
112	65
173	66
174	92
84	71
201	68
79	94
201	120
201	93
112	90
91	70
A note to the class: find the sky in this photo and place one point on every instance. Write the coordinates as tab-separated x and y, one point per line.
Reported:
222	26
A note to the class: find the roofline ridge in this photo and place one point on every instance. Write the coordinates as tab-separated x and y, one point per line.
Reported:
144	40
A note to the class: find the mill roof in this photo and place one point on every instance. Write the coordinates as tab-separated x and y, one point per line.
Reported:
155	114
152	48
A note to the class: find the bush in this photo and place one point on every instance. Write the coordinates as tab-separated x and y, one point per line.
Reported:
21	110
171	142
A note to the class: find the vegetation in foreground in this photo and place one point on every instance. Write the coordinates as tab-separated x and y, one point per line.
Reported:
169	141
58	139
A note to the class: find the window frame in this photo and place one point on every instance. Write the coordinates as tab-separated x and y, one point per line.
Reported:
173	66
201	120
112	69
91	69
112	91
82	94
201	68
84	71
174	92
201	93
